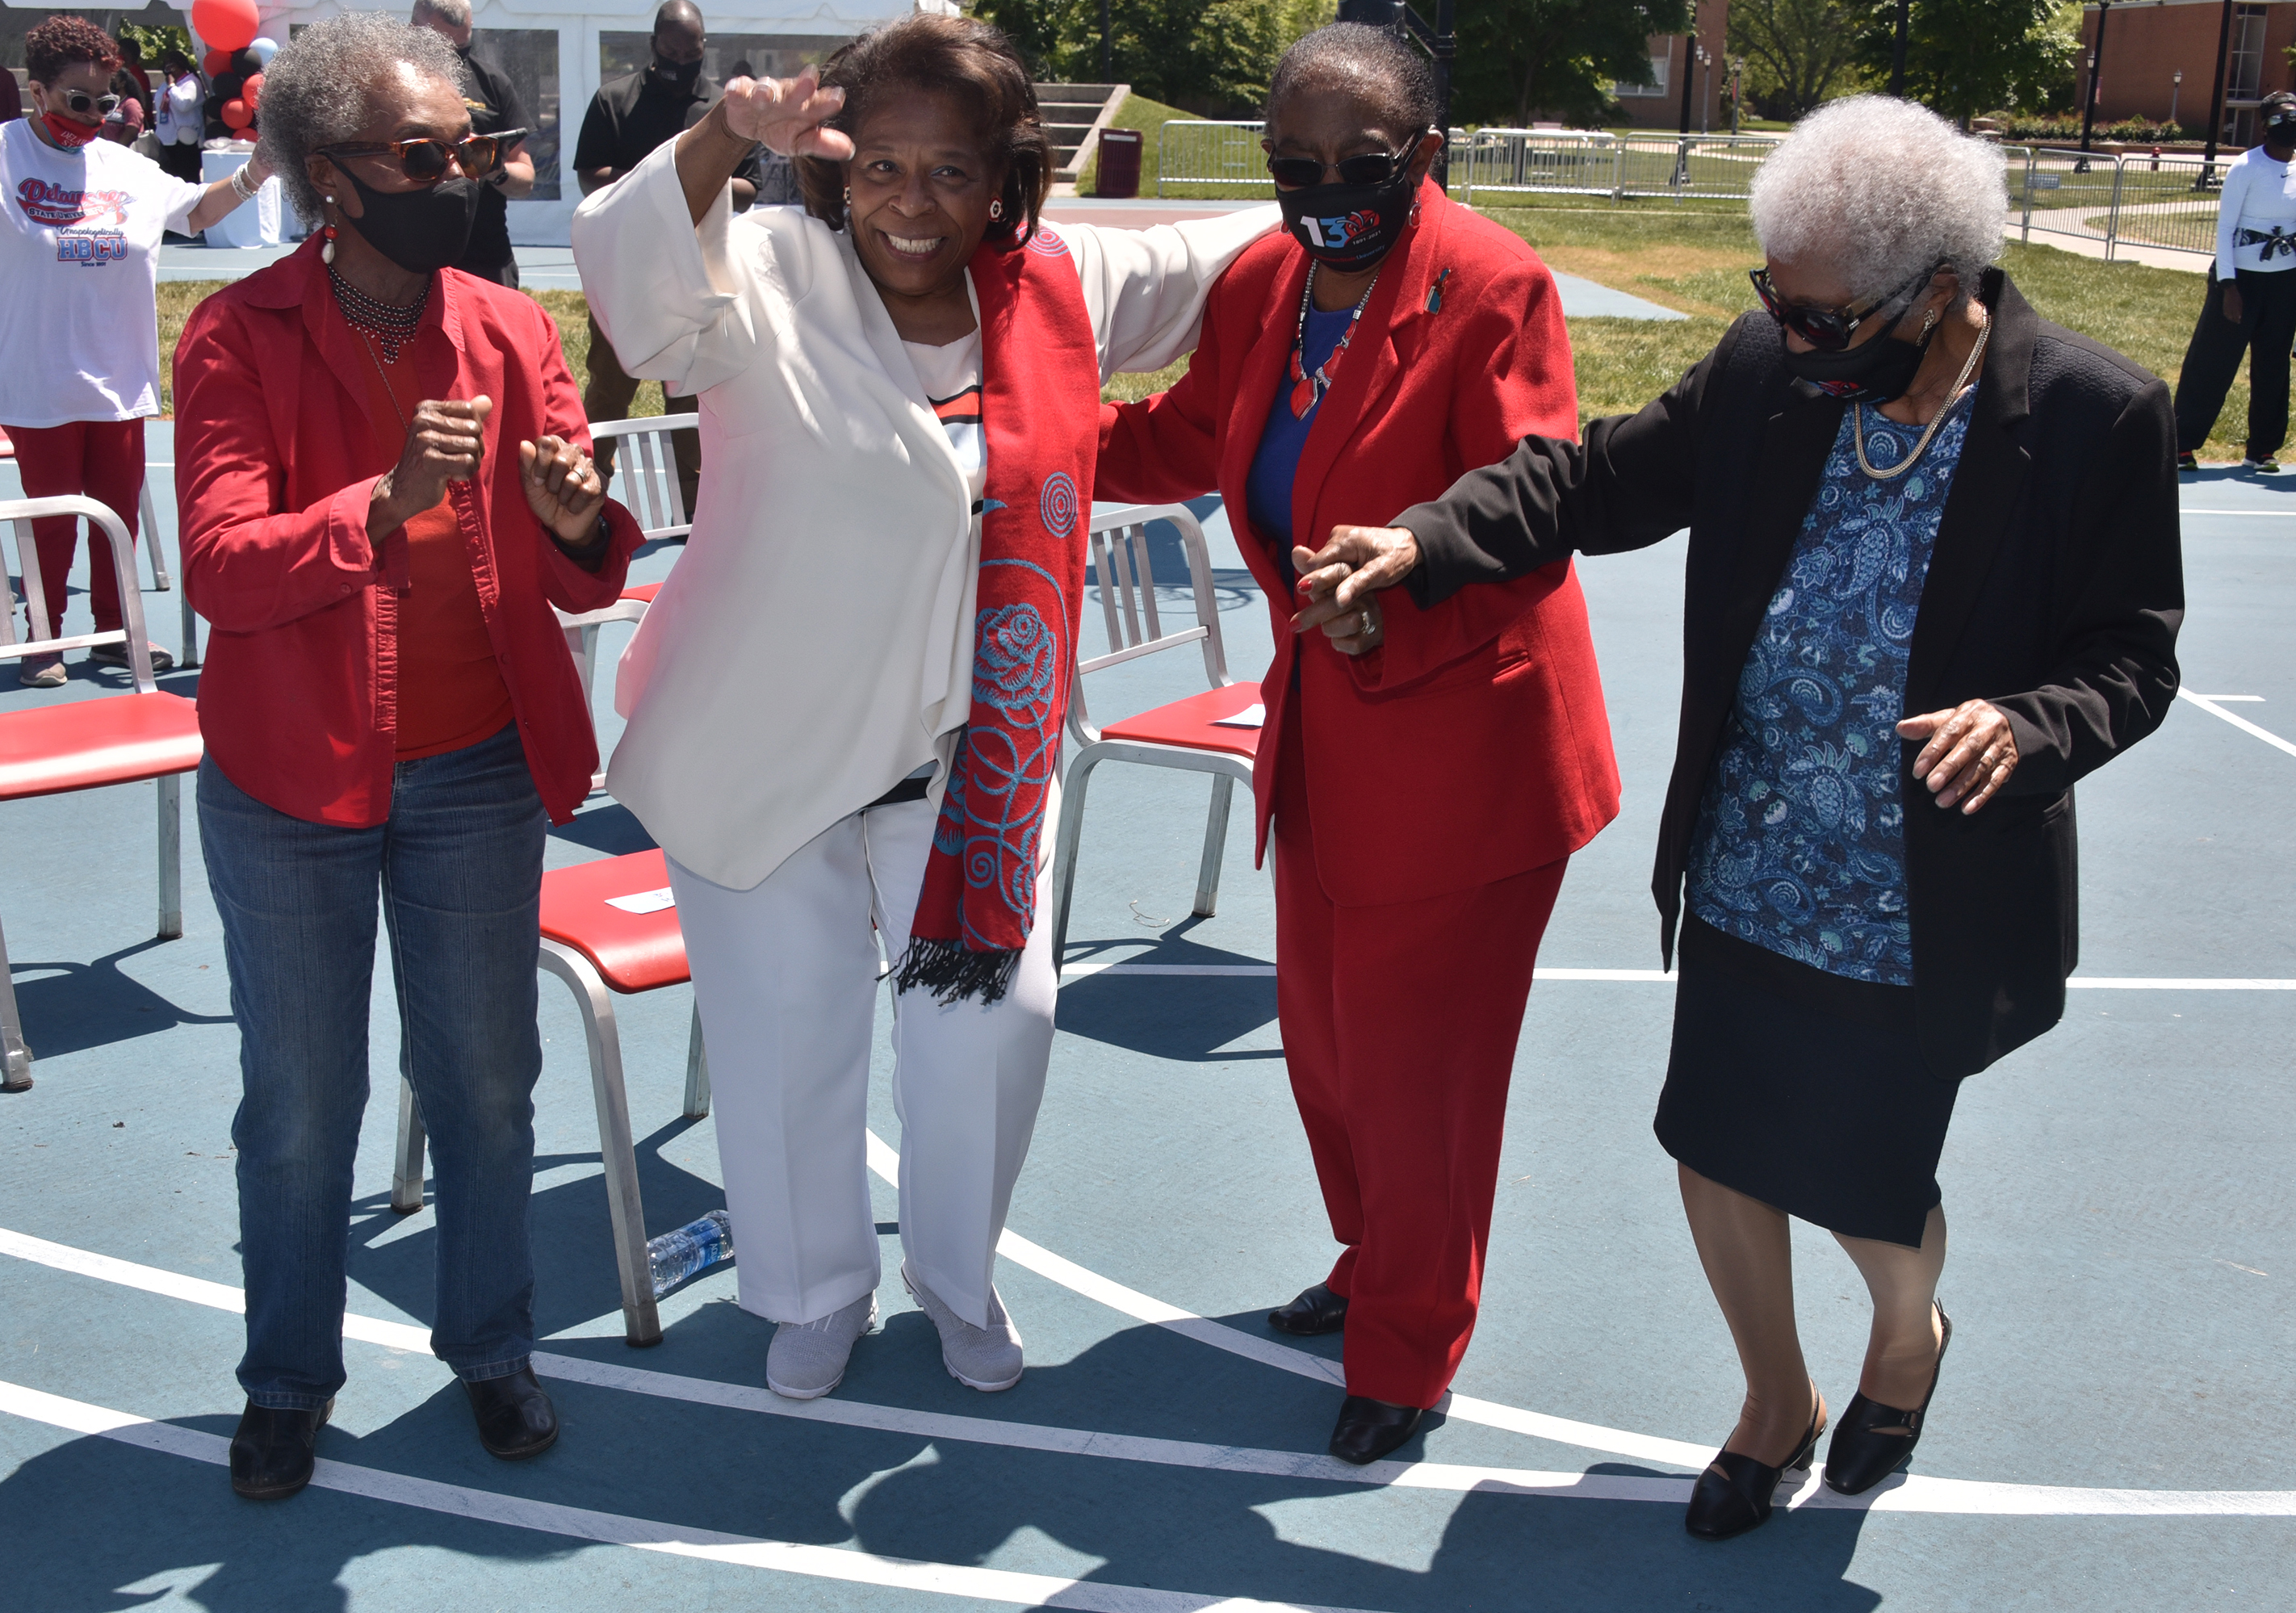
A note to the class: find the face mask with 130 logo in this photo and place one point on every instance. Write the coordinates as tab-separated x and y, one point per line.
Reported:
1350	227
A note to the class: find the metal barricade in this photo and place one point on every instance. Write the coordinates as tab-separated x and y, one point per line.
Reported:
1571	162
1193	151
2132	199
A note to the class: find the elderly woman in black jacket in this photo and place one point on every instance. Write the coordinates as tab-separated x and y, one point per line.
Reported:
1906	494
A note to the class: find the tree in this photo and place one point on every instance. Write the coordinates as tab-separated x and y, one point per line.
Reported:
1966	57
1207	55
1521	57
1798	52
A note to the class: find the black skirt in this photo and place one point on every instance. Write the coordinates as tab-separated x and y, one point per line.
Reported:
1791	1089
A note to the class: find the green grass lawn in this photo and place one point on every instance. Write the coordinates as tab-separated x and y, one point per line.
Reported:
1688	259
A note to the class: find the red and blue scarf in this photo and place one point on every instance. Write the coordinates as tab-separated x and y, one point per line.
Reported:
1040	410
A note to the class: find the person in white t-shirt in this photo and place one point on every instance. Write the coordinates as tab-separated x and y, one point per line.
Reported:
79	325
2250	306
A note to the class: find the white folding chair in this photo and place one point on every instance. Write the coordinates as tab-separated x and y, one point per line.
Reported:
1186	735
84	744
645	471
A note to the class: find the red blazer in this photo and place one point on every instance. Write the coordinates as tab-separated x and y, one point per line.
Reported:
1472	744
275	462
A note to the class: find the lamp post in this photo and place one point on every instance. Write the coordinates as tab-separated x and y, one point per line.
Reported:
2095	58
1737	92
1106	67
1706	92
1897	55
2207	175
2176	89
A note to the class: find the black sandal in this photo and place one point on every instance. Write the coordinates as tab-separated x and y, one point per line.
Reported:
1872	1440
1734	1495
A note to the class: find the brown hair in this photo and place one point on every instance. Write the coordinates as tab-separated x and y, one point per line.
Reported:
955	56
56	43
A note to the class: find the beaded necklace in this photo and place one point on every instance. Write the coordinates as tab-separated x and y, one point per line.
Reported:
387	324
1308	391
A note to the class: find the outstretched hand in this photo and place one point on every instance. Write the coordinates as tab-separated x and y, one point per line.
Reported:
786	115
1338	583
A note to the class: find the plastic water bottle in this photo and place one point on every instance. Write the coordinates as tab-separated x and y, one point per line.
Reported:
695	1246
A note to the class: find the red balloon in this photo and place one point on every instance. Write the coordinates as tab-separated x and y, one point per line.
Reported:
215	62
252	91
236	114
226	25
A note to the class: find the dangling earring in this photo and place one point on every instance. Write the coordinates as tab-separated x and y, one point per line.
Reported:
996	208
327	253
1928	325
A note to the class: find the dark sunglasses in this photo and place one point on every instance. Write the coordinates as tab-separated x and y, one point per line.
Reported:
81	102
425	160
1373	168
1828	329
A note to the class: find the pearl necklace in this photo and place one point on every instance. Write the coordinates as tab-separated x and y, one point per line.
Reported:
1961	381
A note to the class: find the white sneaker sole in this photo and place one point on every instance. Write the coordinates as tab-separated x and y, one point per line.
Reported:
969	1383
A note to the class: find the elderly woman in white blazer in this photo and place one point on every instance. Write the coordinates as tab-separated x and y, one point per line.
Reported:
844	707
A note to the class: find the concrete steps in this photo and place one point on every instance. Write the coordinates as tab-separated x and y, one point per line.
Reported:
1074	114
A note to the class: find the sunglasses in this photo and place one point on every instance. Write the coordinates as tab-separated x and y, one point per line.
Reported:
82	102
1828	329
1373	168
425	160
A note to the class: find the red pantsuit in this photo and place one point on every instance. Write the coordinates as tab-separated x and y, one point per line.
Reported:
102	459
1425	796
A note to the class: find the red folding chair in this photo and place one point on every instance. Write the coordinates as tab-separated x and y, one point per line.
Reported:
1186	735
599	949
84	744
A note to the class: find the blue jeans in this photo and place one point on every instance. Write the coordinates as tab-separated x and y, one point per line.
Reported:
459	865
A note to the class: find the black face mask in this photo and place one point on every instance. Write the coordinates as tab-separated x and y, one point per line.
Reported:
1875	372
675	74
2281	131
419	231
1350	227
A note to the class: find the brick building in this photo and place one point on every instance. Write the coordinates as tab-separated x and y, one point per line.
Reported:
1659	106
2148	43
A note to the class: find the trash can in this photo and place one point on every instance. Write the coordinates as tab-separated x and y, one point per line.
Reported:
1120	163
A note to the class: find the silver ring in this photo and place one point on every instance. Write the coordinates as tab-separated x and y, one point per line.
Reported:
1366	623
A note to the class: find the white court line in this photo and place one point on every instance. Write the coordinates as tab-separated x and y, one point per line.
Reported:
1658	976
2208	703
2281	514
1908	1494
611	1528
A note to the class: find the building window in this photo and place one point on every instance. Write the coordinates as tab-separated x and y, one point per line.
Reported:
2245	80
1656	87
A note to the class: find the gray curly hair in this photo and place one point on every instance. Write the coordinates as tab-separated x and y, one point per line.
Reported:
316	91
1878	190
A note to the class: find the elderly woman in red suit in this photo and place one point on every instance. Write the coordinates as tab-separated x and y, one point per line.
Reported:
1427	790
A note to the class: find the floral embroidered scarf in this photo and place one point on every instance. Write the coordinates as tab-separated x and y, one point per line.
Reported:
1040	409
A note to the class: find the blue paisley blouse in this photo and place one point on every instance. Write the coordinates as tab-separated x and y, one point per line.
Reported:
1800	844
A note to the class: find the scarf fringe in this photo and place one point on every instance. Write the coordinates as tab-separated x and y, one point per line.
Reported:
952	973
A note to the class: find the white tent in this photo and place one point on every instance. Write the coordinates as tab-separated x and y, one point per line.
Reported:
558	52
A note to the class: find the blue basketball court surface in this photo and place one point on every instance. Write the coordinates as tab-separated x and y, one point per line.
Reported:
2115	1428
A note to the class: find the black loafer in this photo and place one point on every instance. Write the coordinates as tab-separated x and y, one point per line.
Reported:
1318	1310
1872	1440
1734	1493
1368	1429
273	1451
516	1419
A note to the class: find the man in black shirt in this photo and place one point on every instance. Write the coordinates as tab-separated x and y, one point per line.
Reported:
628	117
496	105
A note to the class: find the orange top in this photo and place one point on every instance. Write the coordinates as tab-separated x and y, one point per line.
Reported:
451	692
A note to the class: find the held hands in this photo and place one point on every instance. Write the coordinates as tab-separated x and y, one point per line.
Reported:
1970	755
563	488
786	114
1339	582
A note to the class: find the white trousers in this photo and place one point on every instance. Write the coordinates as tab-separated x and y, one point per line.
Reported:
785	975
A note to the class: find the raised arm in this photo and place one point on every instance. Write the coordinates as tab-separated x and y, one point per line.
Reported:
1145	290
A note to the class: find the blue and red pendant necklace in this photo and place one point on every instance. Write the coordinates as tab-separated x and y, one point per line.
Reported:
1308	391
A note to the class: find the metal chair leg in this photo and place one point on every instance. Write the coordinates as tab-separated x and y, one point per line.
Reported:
1065	848
156	551
15	1058
618	1150
171	856
697	1072
189	655
1215	846
406	1168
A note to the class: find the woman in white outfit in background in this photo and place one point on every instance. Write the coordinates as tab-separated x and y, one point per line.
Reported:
845	706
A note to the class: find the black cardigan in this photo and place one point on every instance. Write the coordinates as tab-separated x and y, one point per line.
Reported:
2055	589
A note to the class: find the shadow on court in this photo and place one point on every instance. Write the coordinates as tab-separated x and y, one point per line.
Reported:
68	1008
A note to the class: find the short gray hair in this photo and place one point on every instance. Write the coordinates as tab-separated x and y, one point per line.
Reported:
453	14
1878	190
315	90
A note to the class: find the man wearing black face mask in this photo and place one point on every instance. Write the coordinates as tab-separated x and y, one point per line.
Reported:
496	105
627	119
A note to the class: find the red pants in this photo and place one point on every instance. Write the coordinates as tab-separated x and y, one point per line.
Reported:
102	459
1399	1028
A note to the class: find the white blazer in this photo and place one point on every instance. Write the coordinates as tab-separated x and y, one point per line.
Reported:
814	645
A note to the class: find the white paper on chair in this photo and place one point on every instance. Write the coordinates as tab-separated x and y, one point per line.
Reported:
643	901
1251	717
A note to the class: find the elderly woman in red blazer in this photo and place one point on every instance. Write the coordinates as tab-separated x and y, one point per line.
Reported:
384	484
1427	790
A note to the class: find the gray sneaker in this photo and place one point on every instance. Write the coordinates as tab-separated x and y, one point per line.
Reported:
980	1358
41	672
807	1359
